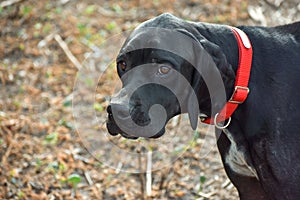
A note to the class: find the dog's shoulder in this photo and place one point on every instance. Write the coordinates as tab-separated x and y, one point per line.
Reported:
284	36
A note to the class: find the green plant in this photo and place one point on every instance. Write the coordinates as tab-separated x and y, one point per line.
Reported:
82	28
111	26
196	136
17	104
26	10
98	107
21	195
38	164
52	138
62	167
47	28
90	9
74	179
117	8
67	101
202	179
66	124
48	74
58	10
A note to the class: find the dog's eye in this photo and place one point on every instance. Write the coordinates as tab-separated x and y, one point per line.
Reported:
122	65
164	69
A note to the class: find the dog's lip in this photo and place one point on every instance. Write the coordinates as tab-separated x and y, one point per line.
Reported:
125	120
127	136
115	132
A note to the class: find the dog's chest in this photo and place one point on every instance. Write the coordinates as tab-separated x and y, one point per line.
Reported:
236	159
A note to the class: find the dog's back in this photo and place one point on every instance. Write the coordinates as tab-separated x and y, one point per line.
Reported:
293	29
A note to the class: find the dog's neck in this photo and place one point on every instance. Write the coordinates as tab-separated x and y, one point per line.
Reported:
222	45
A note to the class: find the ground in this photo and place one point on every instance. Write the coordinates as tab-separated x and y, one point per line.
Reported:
43	150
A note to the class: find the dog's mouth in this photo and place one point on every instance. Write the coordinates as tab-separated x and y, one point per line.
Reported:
115	130
125	135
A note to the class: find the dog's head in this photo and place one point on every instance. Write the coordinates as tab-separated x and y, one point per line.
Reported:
158	83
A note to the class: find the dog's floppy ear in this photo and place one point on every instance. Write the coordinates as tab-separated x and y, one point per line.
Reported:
225	69
193	110
192	100
220	60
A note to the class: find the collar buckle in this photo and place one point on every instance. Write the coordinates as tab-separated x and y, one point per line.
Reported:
239	95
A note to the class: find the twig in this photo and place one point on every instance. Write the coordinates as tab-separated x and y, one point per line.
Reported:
7	153
206	195
149	173
10	142
46	40
67	51
209	182
230	186
175	121
119	167
142	178
91	46
9	3
88	178
167	178
79	157
226	183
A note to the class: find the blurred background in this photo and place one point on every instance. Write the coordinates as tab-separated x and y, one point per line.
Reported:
42	46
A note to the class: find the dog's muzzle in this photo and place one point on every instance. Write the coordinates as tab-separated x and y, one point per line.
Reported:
121	114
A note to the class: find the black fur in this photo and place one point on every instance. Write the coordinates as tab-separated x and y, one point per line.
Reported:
267	124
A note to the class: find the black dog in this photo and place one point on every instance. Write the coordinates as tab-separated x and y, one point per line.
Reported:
261	146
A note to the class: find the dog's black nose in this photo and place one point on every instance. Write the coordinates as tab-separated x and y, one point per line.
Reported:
118	110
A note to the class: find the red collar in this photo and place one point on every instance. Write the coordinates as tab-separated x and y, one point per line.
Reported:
241	89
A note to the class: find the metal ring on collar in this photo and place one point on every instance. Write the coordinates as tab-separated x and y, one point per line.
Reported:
221	127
